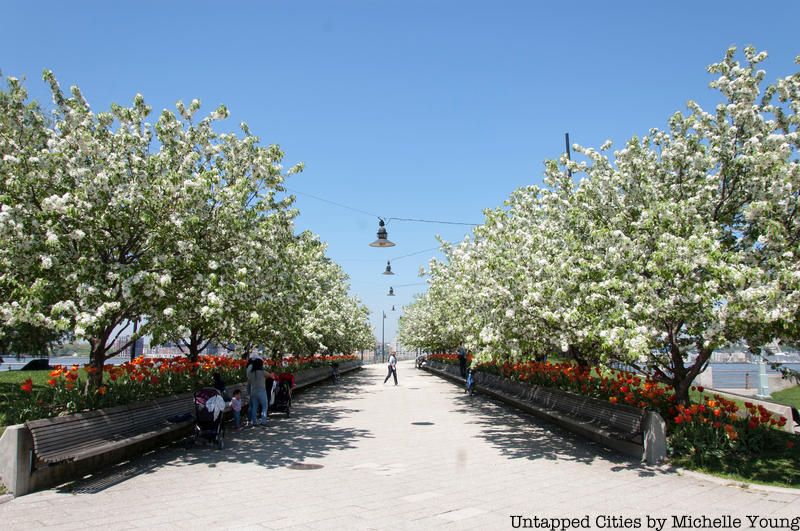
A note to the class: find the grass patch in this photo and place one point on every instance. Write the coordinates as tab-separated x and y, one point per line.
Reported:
9	379
9	385
776	468
788	397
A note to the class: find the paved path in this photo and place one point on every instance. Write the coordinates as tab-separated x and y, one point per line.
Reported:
417	456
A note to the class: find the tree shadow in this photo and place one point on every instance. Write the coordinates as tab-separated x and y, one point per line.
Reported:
521	435
309	434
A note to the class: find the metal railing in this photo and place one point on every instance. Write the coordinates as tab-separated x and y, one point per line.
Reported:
370	357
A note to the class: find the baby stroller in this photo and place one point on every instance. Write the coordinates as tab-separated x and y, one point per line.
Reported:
209	412
284	383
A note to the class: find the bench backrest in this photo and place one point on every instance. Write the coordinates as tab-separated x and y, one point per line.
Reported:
622	417
60	438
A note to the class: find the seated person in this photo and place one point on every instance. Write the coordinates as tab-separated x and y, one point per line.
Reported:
219	385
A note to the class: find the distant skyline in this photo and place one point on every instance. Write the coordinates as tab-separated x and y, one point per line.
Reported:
412	109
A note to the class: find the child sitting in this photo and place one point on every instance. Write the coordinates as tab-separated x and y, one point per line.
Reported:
236	407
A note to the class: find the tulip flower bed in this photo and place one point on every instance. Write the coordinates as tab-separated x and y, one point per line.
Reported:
707	434
66	390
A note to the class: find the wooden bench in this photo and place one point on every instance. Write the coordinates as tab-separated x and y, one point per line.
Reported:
632	431
624	421
42	453
83	435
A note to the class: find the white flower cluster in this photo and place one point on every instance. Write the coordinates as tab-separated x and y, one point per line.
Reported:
111	219
686	238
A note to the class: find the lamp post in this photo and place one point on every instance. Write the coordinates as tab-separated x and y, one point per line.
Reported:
763	380
383	336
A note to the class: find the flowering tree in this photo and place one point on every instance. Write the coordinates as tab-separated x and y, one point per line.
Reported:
685	239
301	304
215	228
106	220
84	217
683	228
335	322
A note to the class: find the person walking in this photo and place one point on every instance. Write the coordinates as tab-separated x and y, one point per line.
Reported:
256	380
392	369
462	361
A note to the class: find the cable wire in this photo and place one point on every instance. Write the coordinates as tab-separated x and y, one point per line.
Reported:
394	258
414	253
334	203
433	221
387	220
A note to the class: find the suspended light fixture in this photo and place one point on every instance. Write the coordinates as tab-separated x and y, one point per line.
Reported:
383	239
388	269
393	308
391	292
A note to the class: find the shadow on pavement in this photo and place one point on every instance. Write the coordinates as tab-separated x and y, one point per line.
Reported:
520	435
309	433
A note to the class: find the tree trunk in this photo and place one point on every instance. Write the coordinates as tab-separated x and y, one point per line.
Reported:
575	353
684	376
97	359
193	345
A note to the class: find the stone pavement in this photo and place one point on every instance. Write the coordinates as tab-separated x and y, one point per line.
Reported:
420	455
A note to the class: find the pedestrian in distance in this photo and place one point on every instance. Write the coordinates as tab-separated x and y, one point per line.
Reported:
462	361
470	388
392	369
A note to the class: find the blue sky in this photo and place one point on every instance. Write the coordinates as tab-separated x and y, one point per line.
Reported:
415	109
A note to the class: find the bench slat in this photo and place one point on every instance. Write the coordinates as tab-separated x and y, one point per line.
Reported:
80	435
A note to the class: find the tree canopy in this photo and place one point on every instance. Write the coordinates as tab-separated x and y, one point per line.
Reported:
107	219
684	240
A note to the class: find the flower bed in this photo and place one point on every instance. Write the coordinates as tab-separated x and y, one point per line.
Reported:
141	379
703	432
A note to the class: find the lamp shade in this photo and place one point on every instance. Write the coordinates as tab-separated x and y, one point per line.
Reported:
383	236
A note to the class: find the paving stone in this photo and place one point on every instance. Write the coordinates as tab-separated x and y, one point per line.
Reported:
467	463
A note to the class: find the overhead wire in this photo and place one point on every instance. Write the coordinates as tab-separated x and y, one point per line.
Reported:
394	258
384	218
414	253
334	203
433	221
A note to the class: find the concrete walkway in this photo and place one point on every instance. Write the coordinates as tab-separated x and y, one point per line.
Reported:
419	455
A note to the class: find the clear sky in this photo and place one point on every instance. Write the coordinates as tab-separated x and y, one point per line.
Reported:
432	109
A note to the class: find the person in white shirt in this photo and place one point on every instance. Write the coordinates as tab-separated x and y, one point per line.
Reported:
392	368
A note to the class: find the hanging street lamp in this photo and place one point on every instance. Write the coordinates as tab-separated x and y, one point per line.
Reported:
391	292
383	237
388	269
